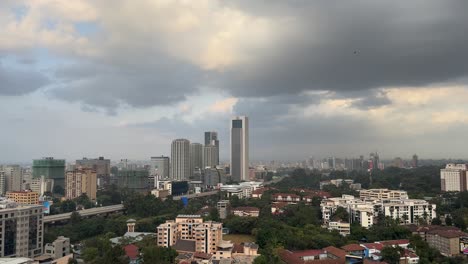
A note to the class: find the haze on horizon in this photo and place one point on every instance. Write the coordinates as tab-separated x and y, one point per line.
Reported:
316	78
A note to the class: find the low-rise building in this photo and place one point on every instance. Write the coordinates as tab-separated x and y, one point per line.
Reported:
24	197
446	241
374	194
344	228
246	211
223	208
59	248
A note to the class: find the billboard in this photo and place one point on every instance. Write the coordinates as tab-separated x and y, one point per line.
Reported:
46	206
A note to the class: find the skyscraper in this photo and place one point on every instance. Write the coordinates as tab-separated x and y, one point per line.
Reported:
180	159
211	138
81	181
240	148
210	156
13	178
196	157
414	161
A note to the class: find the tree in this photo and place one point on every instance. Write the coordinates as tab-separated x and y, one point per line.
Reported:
67	206
448	220
75	218
391	254
436	221
340	214
214	214
153	254
72	261
58	190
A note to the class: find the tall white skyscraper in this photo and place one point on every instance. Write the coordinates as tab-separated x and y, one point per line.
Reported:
180	159
240	148
210	156
196	156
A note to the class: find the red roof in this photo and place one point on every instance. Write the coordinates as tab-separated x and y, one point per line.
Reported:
202	255
306	253
335	251
284	195
290	258
352	247
376	246
246	209
131	251
238	248
447	233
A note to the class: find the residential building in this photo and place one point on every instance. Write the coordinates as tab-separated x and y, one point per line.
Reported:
17	261
24	197
21	228
210	156
13	178
214	176
344	228
239	148
373	194
211	138
410	211
41	185
136	179
446	241
100	165
189	233
59	248
196	157
223	208
453	178
160	167
180	159
80	181
50	168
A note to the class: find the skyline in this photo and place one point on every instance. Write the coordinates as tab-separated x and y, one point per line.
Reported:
314	78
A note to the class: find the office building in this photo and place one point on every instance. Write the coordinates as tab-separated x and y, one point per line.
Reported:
136	180
211	138
41	185
160	167
59	248
13	178
453	178
415	161
189	233
240	148
180	159
210	156
24	197
22	229
81	181
214	176
196	157
373	194
50	168
100	165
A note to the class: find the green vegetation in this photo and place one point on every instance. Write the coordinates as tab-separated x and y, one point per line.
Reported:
239	238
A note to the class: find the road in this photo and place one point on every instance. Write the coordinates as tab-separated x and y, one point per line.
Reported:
84	213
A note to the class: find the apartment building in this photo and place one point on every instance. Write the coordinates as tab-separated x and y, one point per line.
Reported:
189	233
410	211
80	181
344	228
24	197
373	194
21	229
446	241
453	178
41	185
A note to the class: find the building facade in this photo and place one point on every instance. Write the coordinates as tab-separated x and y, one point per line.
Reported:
453	178
373	194
13	178
80	181
160	167
136	180
50	168
210	156
59	248
41	185
196	157
21	228
180	159
100	165
24	197
2	182
240	148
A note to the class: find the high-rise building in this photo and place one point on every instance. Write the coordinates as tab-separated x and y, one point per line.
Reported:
180	159
22	229
100	165
80	181
196	157
136	180
211	138
2	182
210	156
240	148
414	161
41	185
160	167
453	178
50	168
13	178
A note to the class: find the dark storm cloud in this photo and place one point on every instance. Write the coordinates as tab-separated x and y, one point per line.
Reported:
355	45
19	82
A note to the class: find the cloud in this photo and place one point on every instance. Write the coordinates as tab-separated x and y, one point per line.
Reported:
17	81
223	106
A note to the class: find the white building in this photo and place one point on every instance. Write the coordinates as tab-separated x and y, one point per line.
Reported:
240	148
210	156
59	248
41	185
344	228
160	167
180	160
373	194
453	178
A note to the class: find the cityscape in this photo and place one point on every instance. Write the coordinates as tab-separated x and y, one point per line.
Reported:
233	132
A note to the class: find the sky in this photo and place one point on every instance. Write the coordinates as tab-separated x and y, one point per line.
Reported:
122	79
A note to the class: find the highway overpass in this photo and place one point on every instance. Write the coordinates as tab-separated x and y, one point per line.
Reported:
85	213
